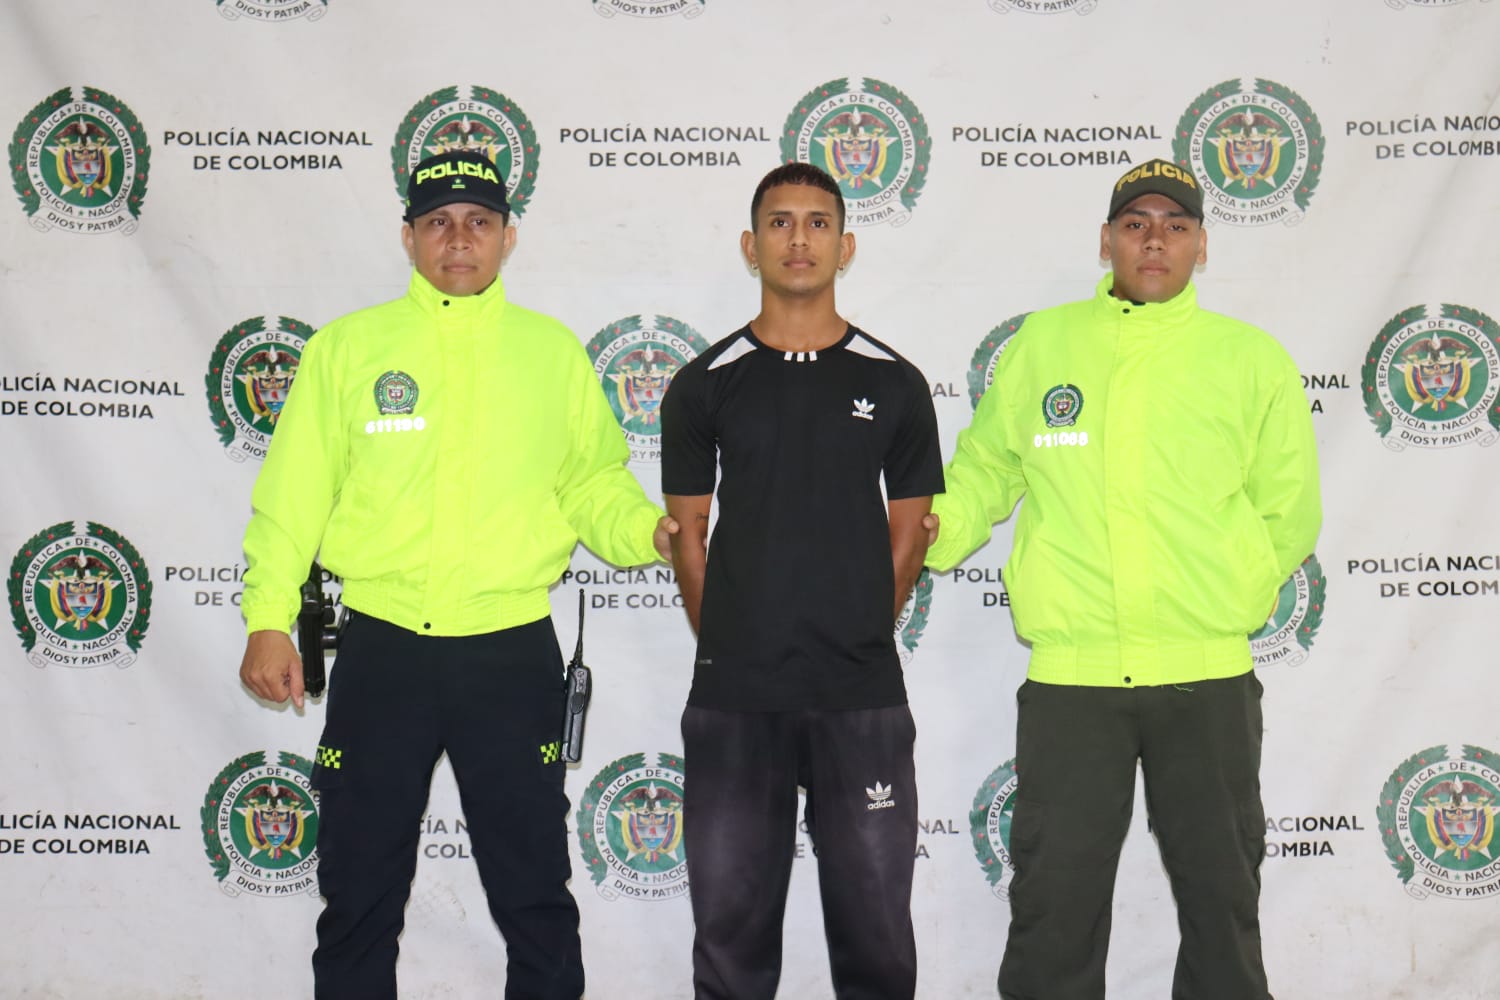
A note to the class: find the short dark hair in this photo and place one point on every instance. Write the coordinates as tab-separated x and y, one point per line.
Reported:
797	173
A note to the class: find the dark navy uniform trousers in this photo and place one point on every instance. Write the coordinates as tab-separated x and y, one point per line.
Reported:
494	704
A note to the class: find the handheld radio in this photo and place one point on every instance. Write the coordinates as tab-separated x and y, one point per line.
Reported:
580	687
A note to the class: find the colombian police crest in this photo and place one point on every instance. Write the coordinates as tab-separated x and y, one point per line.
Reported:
913	620
1257	150
1288	633
1043	6
1437	816
80	598
396	392
989	823
1431	378
630	829
79	162
987	356
649	8
260	826
272	10
474	119
1061	405
636	359
872	140
250	374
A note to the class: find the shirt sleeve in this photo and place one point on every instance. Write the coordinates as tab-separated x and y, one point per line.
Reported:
914	462
689	449
294	493
598	495
1282	481
984	481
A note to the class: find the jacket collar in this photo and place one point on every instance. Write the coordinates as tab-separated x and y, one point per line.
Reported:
464	309
1178	309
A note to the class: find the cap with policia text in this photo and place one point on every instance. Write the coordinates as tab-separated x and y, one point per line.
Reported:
1158	177
459	175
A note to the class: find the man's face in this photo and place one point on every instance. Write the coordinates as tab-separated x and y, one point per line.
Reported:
1153	245
796	242
459	247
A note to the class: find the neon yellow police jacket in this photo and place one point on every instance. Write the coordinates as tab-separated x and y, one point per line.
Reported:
1170	475
443	454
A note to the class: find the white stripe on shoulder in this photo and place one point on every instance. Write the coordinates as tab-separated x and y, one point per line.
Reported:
860	344
733	353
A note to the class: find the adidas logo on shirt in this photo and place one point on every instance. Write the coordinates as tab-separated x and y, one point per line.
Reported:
863	409
880	797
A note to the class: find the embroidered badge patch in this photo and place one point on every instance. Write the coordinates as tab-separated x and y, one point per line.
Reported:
1061	405
396	392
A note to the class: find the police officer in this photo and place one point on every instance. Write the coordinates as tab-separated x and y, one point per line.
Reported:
1170	478
442	453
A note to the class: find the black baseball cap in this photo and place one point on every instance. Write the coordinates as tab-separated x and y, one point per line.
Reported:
1158	177
454	176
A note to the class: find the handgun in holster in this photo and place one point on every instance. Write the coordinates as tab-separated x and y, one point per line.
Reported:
580	687
316	632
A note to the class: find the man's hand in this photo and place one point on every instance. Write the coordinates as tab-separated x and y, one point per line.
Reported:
930	524
662	537
272	669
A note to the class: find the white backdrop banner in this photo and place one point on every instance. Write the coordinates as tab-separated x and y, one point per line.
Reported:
200	184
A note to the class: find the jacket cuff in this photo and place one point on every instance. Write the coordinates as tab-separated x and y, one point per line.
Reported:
260	617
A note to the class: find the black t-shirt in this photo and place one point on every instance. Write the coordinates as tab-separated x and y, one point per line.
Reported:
799	594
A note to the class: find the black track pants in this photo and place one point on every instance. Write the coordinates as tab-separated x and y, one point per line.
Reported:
739	828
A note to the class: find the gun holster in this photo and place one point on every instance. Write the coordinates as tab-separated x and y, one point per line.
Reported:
316	632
